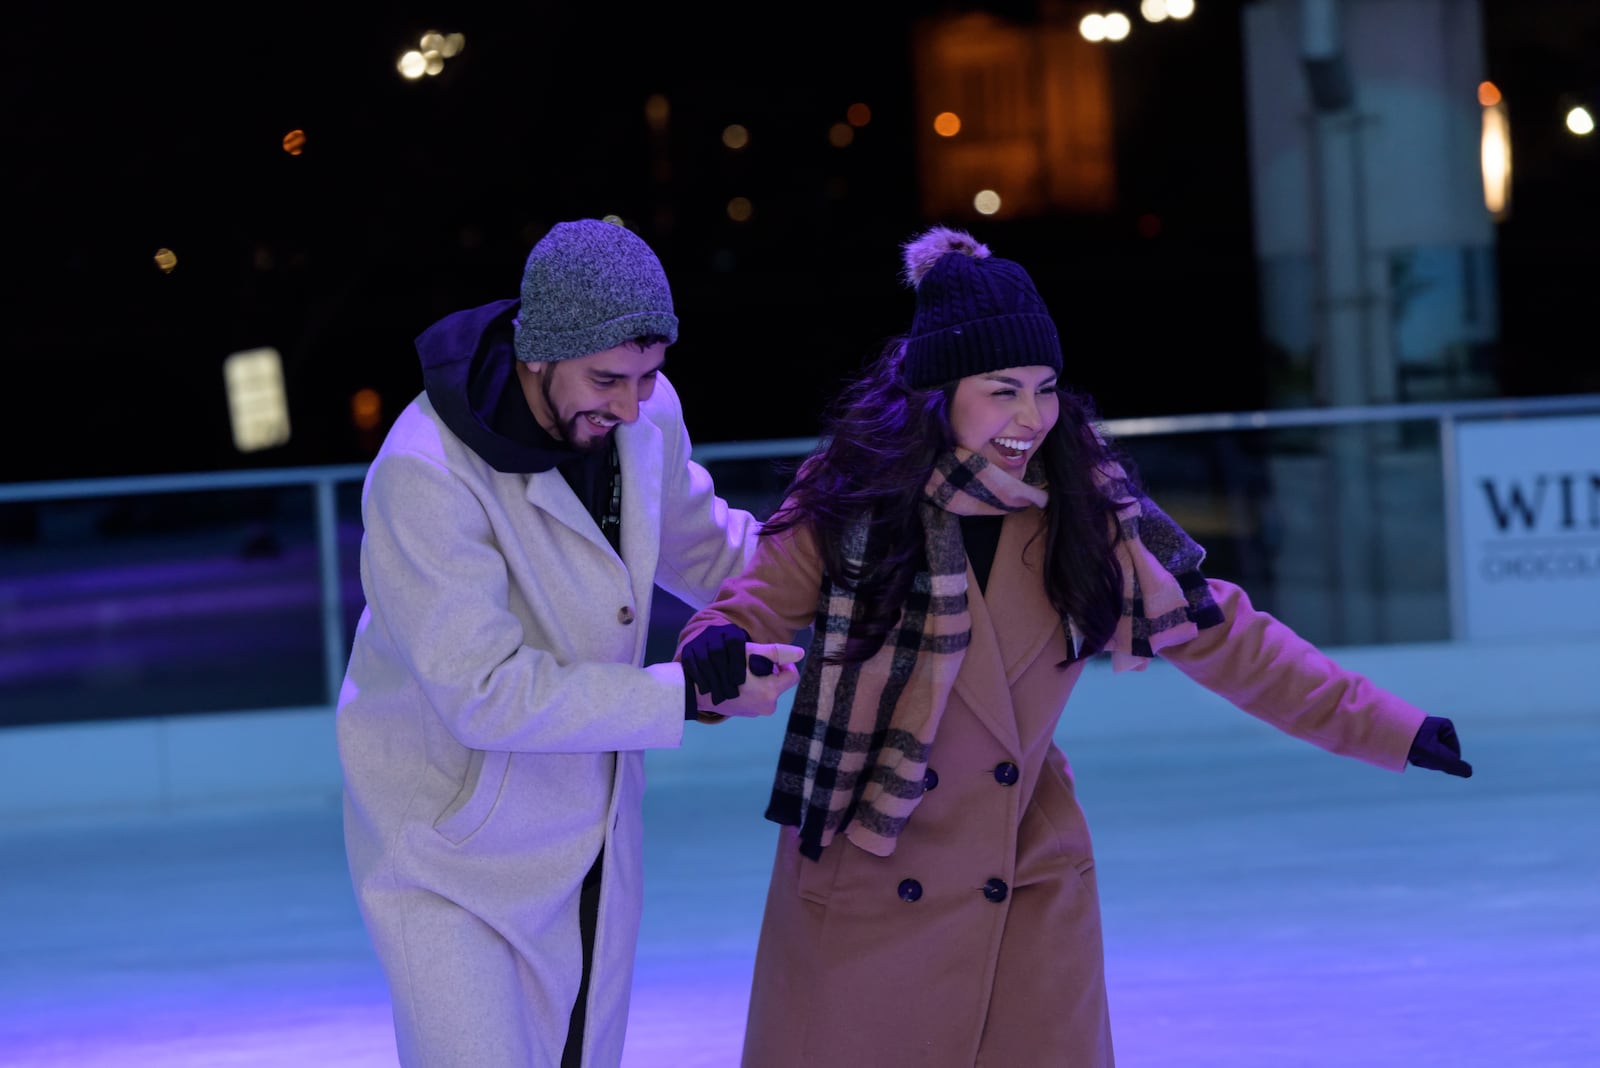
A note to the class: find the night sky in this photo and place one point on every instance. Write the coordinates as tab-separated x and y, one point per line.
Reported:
136	131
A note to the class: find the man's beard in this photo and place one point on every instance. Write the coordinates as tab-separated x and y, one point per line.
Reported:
594	442
571	430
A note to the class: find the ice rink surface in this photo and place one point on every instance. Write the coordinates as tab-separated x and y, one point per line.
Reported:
1267	905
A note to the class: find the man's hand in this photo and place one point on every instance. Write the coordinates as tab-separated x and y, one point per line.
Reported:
771	671
1437	748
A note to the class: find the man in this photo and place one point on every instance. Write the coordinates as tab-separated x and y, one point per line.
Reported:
494	712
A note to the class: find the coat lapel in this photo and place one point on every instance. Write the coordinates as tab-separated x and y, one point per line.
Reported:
1025	621
639	457
639	452
548	491
1011	625
981	682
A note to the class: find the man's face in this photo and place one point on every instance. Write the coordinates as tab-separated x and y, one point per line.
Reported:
581	400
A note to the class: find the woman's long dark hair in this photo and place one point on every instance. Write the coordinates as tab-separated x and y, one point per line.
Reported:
880	442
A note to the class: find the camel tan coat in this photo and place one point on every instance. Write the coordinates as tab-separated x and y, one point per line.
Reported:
850	971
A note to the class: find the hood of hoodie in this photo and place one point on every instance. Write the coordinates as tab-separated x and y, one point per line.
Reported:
468	370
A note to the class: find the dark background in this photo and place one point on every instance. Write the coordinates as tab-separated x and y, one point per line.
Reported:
133	131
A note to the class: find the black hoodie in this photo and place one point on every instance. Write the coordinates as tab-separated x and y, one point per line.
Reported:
468	371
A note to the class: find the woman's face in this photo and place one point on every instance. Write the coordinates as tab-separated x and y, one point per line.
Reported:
1004	415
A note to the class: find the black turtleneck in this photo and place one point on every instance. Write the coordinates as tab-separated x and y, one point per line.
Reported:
981	536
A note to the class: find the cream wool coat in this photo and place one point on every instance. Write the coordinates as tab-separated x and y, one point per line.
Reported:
848	972
492	722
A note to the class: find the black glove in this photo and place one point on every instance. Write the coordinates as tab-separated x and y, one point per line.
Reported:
1437	748
713	661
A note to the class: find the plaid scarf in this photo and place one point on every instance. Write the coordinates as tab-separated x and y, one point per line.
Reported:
859	734
1165	598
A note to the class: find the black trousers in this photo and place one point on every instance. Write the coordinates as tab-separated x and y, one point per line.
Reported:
588	912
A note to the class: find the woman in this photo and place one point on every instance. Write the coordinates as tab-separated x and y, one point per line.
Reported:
961	542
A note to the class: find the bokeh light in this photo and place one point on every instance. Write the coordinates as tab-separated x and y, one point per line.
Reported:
840	134
740	209
858	114
433	48
986	202
1113	25
166	260
1580	121
656	111
947	124
1494	157
366	409
446	44
294	142
735	136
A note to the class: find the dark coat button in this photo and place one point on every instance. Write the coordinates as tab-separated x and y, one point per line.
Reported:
930	779
624	615
1006	773
995	890
910	890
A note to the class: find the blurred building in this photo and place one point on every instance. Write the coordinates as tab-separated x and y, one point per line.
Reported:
1372	228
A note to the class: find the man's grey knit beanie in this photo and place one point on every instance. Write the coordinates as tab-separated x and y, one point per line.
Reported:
588	286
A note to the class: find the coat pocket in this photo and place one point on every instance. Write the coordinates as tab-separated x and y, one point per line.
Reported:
1053	826
814	879
486	775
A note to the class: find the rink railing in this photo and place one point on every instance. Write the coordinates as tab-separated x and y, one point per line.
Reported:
25	573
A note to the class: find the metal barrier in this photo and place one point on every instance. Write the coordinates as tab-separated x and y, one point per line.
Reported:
39	557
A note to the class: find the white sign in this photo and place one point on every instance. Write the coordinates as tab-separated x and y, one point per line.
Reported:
258	409
1528	493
